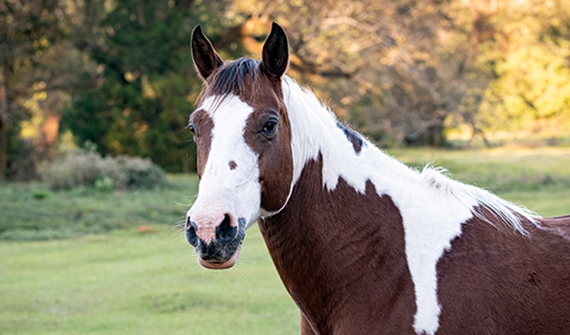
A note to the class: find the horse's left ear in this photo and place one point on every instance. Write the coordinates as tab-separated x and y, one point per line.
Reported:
275	54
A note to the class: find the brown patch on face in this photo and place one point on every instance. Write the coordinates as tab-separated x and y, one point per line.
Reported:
232	165
203	125
275	158
492	281
345	267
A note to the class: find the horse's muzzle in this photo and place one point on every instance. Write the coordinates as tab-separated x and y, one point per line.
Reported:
222	250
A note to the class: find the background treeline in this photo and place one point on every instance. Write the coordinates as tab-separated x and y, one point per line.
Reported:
117	74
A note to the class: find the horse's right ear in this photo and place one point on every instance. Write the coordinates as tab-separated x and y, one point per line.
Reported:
275	53
206	59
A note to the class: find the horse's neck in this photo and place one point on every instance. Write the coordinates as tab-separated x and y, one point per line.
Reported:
362	229
315	131
322	241
323	238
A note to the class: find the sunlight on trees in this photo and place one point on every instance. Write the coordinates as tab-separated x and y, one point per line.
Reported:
118	73
531	91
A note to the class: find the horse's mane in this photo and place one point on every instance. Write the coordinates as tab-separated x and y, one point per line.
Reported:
505	211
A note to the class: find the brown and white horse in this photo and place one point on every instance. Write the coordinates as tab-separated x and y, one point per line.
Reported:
363	244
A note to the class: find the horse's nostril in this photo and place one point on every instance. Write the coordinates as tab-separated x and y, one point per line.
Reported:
191	235
225	232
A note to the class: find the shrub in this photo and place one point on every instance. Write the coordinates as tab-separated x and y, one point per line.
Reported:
41	194
104	184
137	172
88	168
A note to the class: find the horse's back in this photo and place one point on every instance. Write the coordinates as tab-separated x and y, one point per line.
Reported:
560	223
497	282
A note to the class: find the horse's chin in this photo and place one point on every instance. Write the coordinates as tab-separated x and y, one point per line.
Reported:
223	265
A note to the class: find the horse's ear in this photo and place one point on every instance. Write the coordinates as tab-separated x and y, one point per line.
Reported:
206	59
275	54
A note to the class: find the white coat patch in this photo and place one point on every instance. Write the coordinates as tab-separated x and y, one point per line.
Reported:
433	207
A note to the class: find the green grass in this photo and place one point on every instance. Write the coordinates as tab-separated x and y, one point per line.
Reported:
32	212
501	170
128	283
105	278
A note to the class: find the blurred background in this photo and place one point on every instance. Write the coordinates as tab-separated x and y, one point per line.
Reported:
118	76
97	168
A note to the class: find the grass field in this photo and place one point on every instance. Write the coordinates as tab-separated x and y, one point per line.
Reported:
128	283
73	263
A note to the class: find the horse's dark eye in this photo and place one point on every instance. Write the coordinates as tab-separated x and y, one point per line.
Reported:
269	127
191	127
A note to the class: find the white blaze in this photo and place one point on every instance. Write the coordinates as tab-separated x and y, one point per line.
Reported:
235	191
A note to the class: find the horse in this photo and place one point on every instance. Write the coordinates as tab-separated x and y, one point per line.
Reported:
362	243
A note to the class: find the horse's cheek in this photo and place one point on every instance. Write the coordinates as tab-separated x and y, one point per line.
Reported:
276	170
201	158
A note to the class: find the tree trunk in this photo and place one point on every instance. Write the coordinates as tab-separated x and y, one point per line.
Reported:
431	133
4	112
434	135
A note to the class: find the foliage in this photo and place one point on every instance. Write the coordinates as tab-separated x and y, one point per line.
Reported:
396	69
119	73
531	91
86	168
41	194
148	88
403	71
37	59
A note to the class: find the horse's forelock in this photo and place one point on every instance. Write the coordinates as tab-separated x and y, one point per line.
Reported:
239	77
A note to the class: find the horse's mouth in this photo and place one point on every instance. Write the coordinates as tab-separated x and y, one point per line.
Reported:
221	265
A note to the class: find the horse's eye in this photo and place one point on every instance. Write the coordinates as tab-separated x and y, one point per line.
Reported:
269	127
191	127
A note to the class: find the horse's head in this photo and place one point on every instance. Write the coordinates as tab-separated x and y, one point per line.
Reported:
243	140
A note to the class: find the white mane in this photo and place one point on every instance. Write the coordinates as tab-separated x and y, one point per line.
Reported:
504	210
433	207
434	177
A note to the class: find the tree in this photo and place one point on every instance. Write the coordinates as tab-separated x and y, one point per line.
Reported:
149	85
531	88
395	68
38	60
402	71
